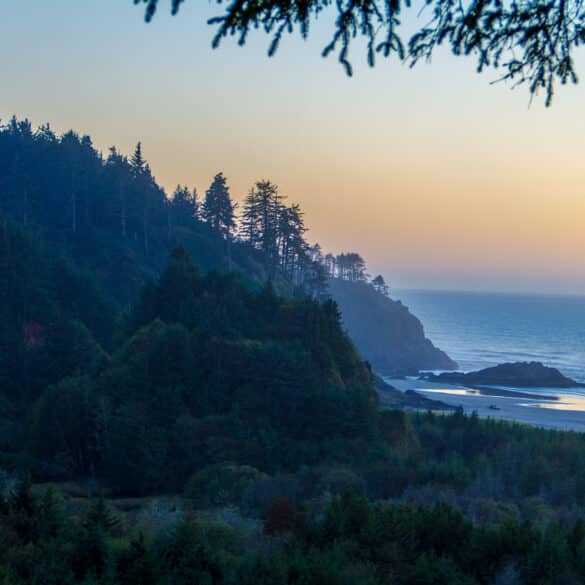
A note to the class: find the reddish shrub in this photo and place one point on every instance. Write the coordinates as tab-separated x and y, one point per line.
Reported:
280	517
32	332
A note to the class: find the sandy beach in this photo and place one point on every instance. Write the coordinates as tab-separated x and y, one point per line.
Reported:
547	408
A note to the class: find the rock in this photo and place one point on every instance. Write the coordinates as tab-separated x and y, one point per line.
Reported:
415	400
393	398
385	332
514	375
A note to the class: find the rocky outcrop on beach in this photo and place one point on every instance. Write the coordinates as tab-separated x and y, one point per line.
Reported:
393	398
514	375
385	332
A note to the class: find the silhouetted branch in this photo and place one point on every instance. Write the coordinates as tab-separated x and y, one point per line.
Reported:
532	40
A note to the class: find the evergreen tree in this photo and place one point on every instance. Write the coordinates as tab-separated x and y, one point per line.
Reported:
291	243
261	218
50	514
145	183
350	266
70	141
380	285
100	517
330	262
119	168
218	208
185	205
138	165
23	500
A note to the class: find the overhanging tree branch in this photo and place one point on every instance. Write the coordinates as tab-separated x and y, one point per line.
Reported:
532	41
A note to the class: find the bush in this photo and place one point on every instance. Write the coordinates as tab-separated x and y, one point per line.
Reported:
280	518
257	498
341	481
220	485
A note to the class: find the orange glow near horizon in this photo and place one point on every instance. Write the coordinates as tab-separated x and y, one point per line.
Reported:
438	178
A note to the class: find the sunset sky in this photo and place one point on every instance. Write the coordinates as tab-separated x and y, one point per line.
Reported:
439	178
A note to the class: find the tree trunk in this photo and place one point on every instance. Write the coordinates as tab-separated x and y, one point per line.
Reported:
25	206
229	250
73	204
145	230
122	210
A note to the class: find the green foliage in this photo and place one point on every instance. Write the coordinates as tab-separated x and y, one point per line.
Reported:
220	485
218	208
276	230
186	558
339	481
198	348
64	426
100	517
348	539
238	397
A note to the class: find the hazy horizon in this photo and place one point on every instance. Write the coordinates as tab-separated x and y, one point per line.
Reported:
395	293
439	179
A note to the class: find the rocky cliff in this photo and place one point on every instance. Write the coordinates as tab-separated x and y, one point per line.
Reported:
385	332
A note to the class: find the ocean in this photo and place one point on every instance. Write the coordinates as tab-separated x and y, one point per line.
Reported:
484	329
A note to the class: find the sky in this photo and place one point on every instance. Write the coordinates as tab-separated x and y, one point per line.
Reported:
440	178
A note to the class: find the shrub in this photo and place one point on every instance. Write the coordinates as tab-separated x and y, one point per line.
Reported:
280	518
220	485
257	498
341	481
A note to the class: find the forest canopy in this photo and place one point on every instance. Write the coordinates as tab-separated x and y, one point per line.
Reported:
172	413
532	42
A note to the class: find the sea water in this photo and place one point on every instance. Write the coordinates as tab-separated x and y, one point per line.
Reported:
479	330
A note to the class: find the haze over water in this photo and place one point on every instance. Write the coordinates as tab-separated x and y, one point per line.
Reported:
479	330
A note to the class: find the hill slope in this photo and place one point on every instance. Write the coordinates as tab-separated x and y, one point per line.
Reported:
204	371
110	219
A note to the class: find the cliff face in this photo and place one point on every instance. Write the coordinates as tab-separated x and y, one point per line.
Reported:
385	332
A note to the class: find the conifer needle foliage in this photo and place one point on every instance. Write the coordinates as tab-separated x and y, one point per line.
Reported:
528	41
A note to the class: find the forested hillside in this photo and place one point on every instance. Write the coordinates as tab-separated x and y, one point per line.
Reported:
108	213
166	420
111	371
206	372
107	220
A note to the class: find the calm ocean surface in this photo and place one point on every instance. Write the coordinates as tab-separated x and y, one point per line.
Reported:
483	329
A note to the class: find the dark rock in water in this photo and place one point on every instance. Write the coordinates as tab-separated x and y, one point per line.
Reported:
416	400
393	398
385	332
514	375
381	385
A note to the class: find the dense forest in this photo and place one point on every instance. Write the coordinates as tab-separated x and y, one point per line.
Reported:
447	500
86	318
180	403
111	215
106	224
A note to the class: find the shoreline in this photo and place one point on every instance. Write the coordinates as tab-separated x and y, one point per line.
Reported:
551	409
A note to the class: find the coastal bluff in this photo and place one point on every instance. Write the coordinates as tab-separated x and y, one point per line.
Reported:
385	332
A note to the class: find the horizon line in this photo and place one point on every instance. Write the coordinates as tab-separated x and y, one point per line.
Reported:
489	292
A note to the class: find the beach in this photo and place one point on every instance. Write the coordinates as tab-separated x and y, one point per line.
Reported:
542	407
